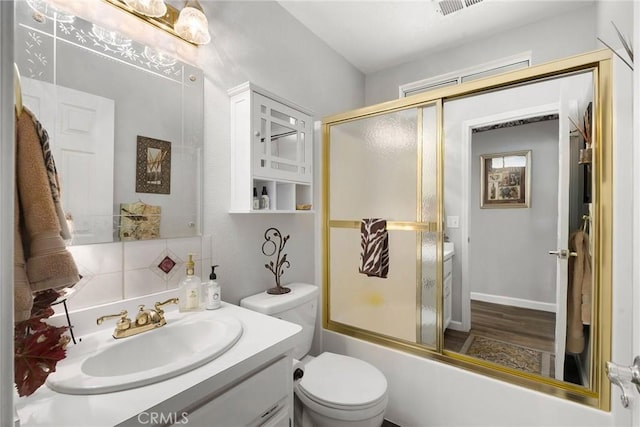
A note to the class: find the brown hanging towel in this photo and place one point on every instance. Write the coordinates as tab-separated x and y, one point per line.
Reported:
48	263
578	292
374	242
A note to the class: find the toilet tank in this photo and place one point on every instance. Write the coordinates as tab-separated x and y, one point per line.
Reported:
298	306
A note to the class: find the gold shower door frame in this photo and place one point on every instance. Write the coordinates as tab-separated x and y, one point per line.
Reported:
417	226
598	393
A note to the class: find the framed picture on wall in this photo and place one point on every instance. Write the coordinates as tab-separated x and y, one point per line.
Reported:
505	180
153	166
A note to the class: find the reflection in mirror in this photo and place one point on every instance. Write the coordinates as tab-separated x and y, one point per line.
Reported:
125	123
514	202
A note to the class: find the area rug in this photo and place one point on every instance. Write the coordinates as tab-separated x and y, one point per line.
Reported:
509	355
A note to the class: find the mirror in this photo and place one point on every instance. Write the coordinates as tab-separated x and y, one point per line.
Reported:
125	123
496	203
514	192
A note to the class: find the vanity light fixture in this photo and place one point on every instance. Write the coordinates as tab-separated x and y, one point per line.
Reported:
189	24
152	8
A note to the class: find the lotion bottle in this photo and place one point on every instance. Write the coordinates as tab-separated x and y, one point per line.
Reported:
213	301
189	289
264	199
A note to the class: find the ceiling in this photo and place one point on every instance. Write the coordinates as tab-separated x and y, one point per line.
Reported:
374	35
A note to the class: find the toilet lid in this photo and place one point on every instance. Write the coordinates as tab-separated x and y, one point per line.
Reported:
341	381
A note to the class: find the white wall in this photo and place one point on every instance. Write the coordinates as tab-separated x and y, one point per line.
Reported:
508	251
561	36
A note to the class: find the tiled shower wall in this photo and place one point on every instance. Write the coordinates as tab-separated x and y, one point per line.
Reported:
116	271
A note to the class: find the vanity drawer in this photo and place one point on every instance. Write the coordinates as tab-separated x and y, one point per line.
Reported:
447	268
259	400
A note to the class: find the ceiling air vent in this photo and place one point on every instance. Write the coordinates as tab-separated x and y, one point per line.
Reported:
447	7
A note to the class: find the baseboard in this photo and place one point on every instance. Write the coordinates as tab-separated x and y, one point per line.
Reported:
456	326
515	302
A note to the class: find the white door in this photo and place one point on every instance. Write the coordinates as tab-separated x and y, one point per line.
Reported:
564	180
81	132
635	417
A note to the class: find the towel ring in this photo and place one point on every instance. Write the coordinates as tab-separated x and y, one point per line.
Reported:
17	89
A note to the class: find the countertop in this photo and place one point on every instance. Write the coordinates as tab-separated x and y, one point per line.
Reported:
264	339
448	250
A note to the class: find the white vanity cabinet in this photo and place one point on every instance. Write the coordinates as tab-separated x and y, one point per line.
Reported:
271	149
447	274
263	399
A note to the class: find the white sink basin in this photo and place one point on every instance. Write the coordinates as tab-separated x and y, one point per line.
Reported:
102	364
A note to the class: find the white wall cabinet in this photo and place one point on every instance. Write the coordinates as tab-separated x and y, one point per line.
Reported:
271	149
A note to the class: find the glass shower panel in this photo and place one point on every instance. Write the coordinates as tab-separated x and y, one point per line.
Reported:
428	291
373	167
384	166
382	306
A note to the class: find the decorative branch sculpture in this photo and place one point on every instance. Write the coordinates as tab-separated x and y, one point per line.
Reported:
281	263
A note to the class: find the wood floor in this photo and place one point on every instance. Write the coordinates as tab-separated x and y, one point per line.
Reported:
520	326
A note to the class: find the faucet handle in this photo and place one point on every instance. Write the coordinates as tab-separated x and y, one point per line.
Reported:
122	324
142	318
159	305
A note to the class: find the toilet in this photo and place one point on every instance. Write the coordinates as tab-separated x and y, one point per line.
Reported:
335	390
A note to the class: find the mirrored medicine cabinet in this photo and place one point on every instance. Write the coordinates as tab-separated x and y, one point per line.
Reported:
125	122
497	199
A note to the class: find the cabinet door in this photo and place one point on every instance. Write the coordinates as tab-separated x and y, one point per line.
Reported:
253	402
282	145
447	283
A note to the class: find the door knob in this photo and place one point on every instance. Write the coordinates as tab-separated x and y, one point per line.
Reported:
563	253
619	375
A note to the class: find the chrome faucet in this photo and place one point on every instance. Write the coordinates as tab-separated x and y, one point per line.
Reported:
146	320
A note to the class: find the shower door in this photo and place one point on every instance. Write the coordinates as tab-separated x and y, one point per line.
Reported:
385	166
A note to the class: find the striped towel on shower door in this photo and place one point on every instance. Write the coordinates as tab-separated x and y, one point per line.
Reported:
374	242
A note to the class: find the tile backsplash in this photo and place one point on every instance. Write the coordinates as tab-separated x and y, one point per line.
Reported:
122	270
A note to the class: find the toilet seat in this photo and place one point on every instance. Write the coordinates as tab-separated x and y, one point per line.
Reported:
342	387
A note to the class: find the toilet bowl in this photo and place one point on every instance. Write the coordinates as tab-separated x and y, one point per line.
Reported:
338	390
335	390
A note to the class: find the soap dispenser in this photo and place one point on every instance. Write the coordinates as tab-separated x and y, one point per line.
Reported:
256	201
189	289
212	291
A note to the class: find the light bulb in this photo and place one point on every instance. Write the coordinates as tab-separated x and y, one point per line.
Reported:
192	24
152	8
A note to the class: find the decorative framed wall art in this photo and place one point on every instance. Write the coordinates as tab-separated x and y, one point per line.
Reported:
505	180
153	166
